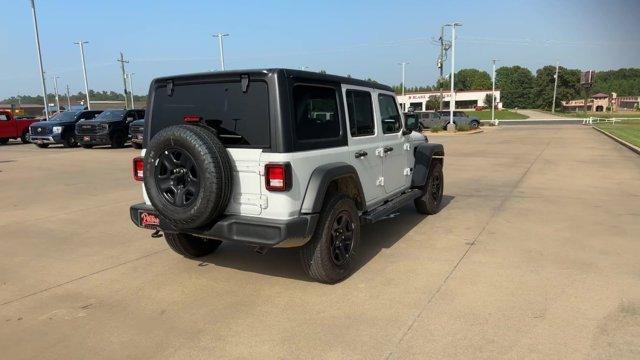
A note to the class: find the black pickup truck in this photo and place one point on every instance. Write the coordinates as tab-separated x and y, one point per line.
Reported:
60	129
136	132
111	127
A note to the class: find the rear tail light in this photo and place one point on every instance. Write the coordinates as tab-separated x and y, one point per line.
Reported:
138	168
192	118
278	177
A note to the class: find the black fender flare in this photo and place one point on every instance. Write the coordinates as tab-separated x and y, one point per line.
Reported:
319	183
423	156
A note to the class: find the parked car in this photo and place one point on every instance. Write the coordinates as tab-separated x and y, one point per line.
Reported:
12	128
59	129
460	118
136	133
111	127
427	119
245	157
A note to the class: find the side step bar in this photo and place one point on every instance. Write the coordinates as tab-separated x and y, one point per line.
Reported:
392	205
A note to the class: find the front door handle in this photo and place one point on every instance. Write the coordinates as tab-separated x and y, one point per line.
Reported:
360	153
387	149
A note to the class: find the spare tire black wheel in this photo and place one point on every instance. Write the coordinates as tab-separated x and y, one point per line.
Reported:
188	175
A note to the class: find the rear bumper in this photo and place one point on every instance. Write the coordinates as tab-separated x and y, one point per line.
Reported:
102	139
240	229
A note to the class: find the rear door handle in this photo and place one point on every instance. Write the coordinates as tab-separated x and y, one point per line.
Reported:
360	153
387	149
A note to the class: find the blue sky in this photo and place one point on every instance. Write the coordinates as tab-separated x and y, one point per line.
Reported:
361	38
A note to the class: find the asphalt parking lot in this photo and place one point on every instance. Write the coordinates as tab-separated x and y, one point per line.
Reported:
535	255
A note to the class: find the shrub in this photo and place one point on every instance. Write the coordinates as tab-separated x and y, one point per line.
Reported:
463	127
435	129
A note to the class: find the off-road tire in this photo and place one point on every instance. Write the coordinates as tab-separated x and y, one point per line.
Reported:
69	141
191	246
136	145
42	146
213	169
428	203
87	146
25	137
3	141
118	139
316	255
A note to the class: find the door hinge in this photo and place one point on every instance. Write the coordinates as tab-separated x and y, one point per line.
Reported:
407	146
380	152
380	181
407	171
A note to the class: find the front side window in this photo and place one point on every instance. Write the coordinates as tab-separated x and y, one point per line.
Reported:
360	110
316	113
391	122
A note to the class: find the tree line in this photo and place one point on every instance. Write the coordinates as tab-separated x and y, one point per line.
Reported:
80	96
520	88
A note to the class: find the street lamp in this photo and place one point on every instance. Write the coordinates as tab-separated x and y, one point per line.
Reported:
493	93
220	36
84	71
44	83
55	88
555	88
403	66
131	89
452	102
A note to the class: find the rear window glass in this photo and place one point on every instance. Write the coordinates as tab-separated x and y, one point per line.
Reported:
240	118
316	113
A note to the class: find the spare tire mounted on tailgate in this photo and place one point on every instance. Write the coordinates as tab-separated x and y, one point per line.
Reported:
188	175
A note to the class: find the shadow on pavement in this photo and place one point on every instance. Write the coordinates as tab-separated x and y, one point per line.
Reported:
286	262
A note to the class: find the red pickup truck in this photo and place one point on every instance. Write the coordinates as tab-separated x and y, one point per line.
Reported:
12	128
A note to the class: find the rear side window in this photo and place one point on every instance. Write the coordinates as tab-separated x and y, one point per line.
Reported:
360	109
391	122
316	113
240	118
3	117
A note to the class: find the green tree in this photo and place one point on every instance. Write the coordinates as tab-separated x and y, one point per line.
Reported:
568	86
488	99
516	85
472	79
624	82
433	103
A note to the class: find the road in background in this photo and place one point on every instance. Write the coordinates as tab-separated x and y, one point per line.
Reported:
534	255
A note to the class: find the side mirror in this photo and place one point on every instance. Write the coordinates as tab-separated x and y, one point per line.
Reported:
411	124
129	119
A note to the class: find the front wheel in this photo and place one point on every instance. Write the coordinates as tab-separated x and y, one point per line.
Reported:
429	202
474	125
136	145
117	140
42	146
87	146
25	137
328	257
69	141
191	246
4	141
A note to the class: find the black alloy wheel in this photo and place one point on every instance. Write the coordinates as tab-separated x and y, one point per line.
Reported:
436	187
177	177
341	238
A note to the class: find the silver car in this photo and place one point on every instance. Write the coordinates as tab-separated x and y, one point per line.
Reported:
459	118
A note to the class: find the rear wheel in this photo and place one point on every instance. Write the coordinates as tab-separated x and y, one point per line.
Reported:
191	246
328	256
136	145
4	141
429	202
474	124
87	146
42	146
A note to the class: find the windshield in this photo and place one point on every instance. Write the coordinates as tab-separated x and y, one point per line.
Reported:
64	116
110	115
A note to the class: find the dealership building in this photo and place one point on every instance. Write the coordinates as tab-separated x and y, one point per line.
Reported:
464	99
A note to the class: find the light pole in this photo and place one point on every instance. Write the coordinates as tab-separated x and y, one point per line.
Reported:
122	61
452	101
84	71
55	88
131	89
403	66
493	94
68	99
44	83
555	89
220	36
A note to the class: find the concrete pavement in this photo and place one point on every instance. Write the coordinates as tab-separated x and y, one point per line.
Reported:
535	255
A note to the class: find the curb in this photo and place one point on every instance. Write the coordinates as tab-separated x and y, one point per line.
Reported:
445	133
629	146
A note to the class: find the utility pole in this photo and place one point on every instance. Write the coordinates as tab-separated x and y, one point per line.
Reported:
440	65
220	36
68	99
55	88
555	89
452	101
403	66
493	94
44	83
131	89
84	71
122	61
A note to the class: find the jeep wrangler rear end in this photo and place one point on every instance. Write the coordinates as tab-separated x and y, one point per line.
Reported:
279	158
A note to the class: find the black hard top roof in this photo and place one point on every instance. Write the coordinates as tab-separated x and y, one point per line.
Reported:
287	72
